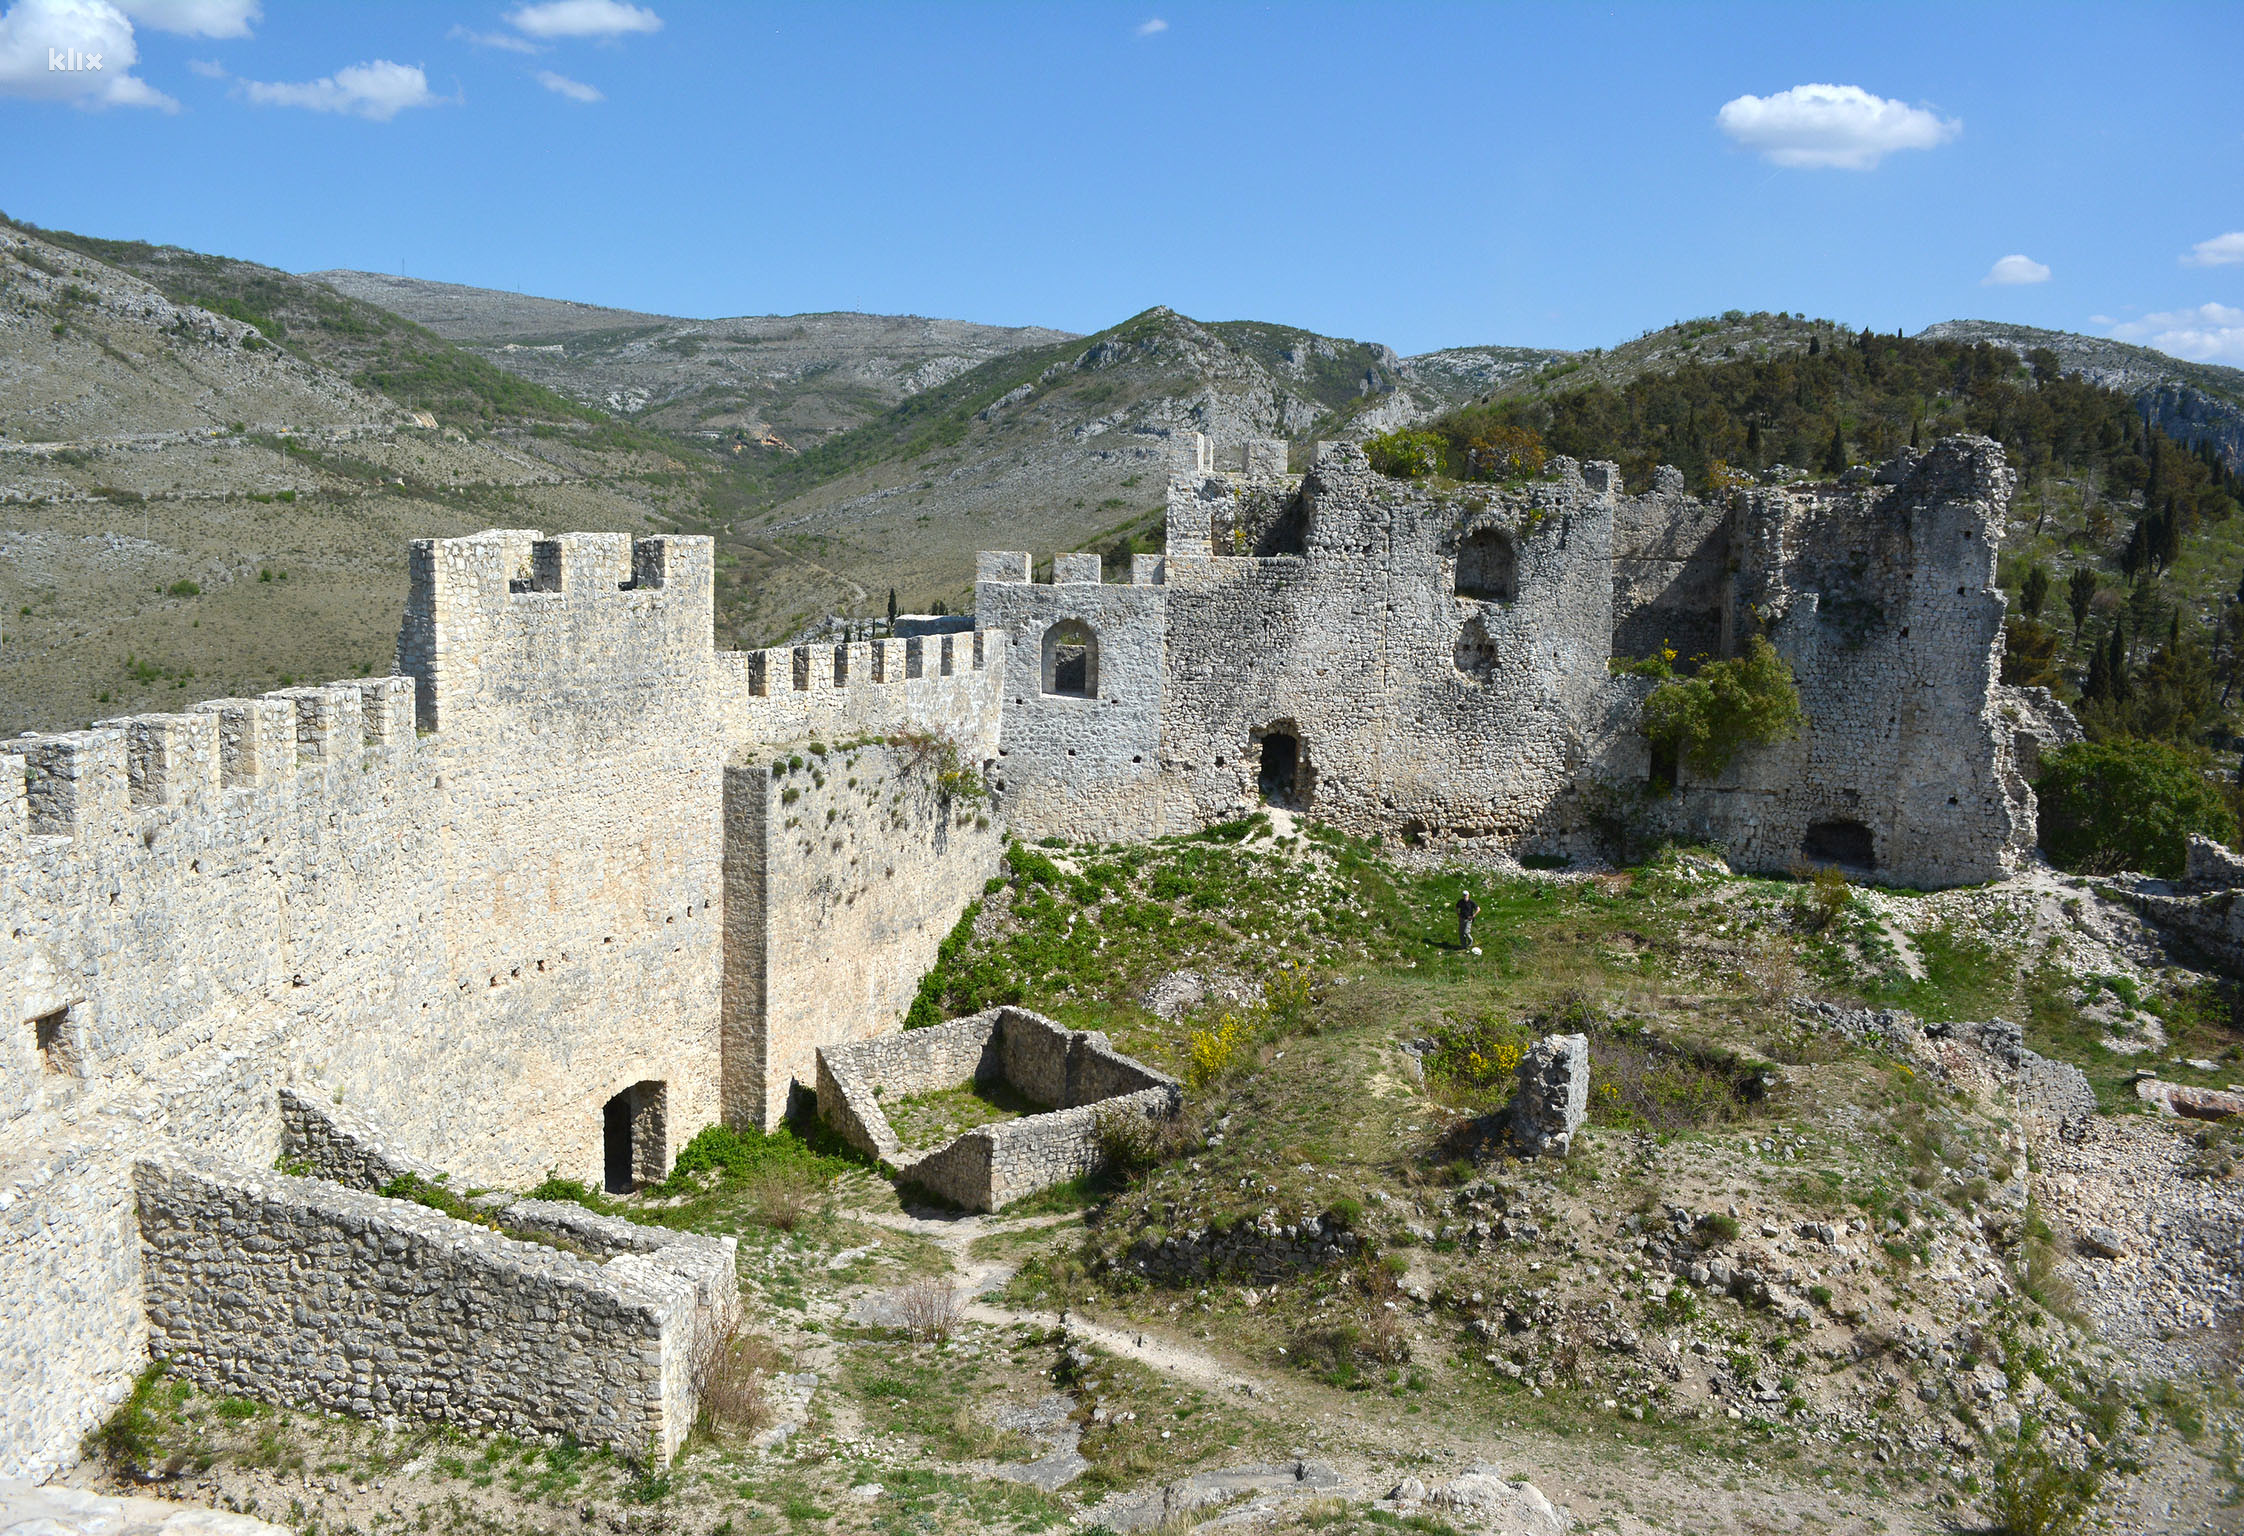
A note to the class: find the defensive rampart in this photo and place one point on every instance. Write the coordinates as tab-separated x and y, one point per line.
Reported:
482	895
1434	663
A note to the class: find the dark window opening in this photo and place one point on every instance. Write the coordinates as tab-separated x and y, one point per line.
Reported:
1486	567
1666	762
55	1053
1839	841
1071	660
1282	772
632	1139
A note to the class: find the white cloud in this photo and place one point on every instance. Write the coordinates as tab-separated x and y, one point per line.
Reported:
79	51
209	69
1152	26
562	85
2014	271
506	40
2210	333
583	18
376	89
195	18
1835	127
2220	251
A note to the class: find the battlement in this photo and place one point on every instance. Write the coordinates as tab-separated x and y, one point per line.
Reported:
76	784
511	616
1070	570
1194	456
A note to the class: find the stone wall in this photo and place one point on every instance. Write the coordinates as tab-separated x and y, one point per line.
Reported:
482	895
1433	662
299	1290
1882	597
846	864
1076	1073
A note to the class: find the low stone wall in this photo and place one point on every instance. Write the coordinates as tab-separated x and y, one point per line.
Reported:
1260	1249
1074	1071
299	1290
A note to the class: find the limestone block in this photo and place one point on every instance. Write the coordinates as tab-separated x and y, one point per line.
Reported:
1001	565
1075	570
170	759
256	740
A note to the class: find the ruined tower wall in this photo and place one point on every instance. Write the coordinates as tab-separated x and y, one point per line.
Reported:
1088	766
1883	600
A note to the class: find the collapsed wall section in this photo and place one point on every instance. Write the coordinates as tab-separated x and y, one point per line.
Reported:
1882	598
845	866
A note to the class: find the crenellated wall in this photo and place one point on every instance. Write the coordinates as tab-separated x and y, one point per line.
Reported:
483	895
1435	662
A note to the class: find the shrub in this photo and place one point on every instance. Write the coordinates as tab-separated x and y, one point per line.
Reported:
1405	455
1214	1052
1706	720
2031	1493
1718	1227
184	588
2126	804
930	1308
1825	898
731	1376
1130	1142
1286	994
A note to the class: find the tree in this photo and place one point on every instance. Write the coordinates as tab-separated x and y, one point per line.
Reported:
2080	592
2029	654
1749	700
2126	804
2034	592
1835	456
892	610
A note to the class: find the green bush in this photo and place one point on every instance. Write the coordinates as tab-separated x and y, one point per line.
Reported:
1749	700
184	588
2034	1494
2126	804
1405	455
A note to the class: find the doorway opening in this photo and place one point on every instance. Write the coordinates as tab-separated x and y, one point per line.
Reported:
632	1139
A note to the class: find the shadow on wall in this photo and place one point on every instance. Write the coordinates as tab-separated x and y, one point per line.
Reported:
1841	840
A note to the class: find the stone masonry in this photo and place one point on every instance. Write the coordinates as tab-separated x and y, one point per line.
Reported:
483	896
1434	663
1075	1073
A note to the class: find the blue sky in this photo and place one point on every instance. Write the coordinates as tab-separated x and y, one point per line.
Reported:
1422	175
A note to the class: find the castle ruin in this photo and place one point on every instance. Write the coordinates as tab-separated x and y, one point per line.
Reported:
575	884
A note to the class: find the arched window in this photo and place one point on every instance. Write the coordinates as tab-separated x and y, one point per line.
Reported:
1071	660
1486	567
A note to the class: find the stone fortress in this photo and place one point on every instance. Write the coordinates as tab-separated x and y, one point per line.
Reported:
575	884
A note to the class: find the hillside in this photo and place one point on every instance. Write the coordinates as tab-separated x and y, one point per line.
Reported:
2191	402
1061	446
189	510
766	382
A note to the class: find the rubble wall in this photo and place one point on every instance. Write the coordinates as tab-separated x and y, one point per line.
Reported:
301	1291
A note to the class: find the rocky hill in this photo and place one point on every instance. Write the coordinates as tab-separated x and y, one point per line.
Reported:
195	503
2191	402
782	382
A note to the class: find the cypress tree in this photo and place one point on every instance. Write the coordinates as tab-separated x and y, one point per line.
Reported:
1835	456
2115	666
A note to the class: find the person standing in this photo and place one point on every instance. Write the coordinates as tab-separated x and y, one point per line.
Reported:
1467	910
